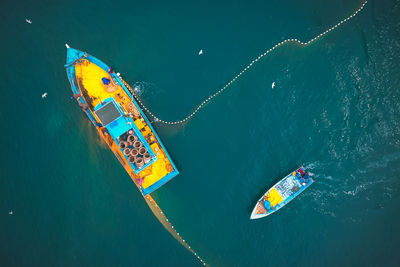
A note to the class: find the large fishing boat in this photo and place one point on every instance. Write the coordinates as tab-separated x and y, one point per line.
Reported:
109	103
282	193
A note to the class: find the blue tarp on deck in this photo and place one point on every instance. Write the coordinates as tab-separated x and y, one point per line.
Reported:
118	127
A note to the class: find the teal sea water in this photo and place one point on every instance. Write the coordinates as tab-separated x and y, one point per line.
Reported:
335	109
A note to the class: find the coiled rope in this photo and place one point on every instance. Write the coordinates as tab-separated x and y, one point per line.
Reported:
201	105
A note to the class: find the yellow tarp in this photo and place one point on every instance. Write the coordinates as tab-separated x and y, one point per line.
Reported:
273	197
91	76
139	124
159	171
155	148
159	168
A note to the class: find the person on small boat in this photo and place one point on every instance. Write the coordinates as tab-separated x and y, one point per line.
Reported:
303	176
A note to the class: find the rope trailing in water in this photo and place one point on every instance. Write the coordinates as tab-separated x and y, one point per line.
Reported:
157	119
167	224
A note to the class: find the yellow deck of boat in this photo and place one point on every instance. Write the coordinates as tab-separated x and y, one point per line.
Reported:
89	77
274	197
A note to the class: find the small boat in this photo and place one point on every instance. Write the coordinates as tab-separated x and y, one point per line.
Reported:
282	193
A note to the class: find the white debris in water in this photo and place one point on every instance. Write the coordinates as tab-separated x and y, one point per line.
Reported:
200	52
10	212
28	21
273	85
44	95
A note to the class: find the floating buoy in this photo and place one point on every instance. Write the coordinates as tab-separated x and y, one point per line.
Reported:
156	119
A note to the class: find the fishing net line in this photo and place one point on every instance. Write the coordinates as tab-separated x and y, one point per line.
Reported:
167	225
149	200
